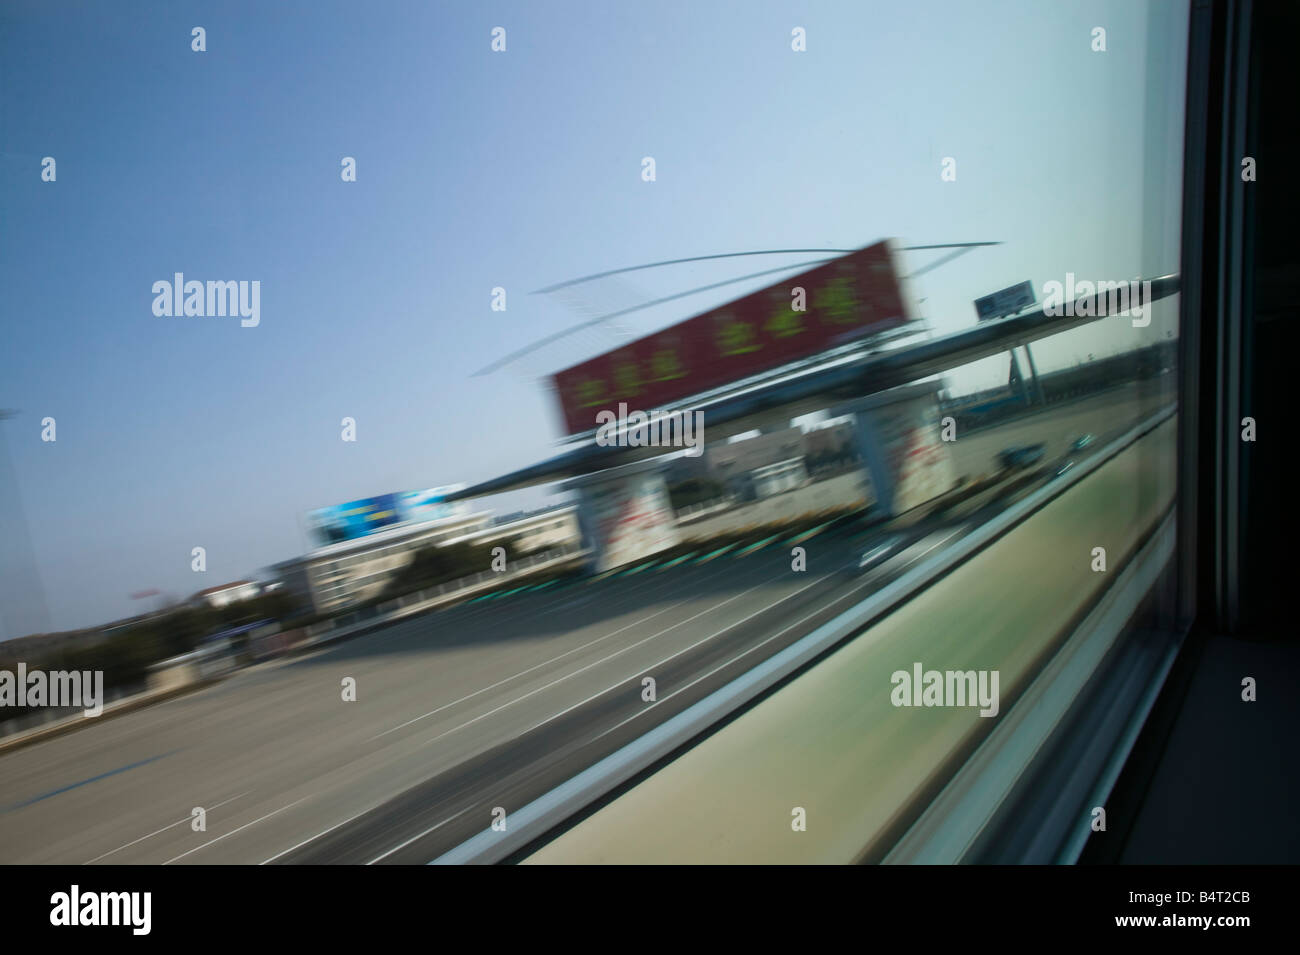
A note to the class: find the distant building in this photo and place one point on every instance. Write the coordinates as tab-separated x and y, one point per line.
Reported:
775	478
337	576
223	595
771	462
836	439
732	462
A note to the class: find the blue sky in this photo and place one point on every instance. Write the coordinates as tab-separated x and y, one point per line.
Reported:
478	169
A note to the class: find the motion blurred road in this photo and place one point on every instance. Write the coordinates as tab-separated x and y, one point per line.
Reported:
458	712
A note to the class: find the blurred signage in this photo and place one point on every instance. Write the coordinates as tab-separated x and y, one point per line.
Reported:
856	295
1005	302
428	505
356	519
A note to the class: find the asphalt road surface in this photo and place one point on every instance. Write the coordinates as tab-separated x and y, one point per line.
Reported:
457	713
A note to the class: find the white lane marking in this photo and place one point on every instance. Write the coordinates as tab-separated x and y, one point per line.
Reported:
419	836
383	801
697	643
233	831
937	543
757	646
163	829
743	653
539	666
630	646
319	834
557	715
363	812
355	816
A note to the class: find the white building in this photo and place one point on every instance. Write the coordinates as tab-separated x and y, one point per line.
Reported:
337	576
782	476
223	595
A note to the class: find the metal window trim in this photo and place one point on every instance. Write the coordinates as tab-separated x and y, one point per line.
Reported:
971	808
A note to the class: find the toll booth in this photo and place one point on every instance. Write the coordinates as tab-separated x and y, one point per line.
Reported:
624	513
898	435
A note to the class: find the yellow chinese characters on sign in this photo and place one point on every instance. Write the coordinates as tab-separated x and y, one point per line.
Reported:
666	366
835	303
592	392
627	379
735	337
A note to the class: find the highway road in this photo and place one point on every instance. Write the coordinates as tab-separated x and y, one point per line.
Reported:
457	713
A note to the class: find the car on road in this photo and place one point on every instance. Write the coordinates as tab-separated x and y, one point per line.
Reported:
1082	441
1022	456
881	551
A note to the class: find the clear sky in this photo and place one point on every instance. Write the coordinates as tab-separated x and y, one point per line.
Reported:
478	169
